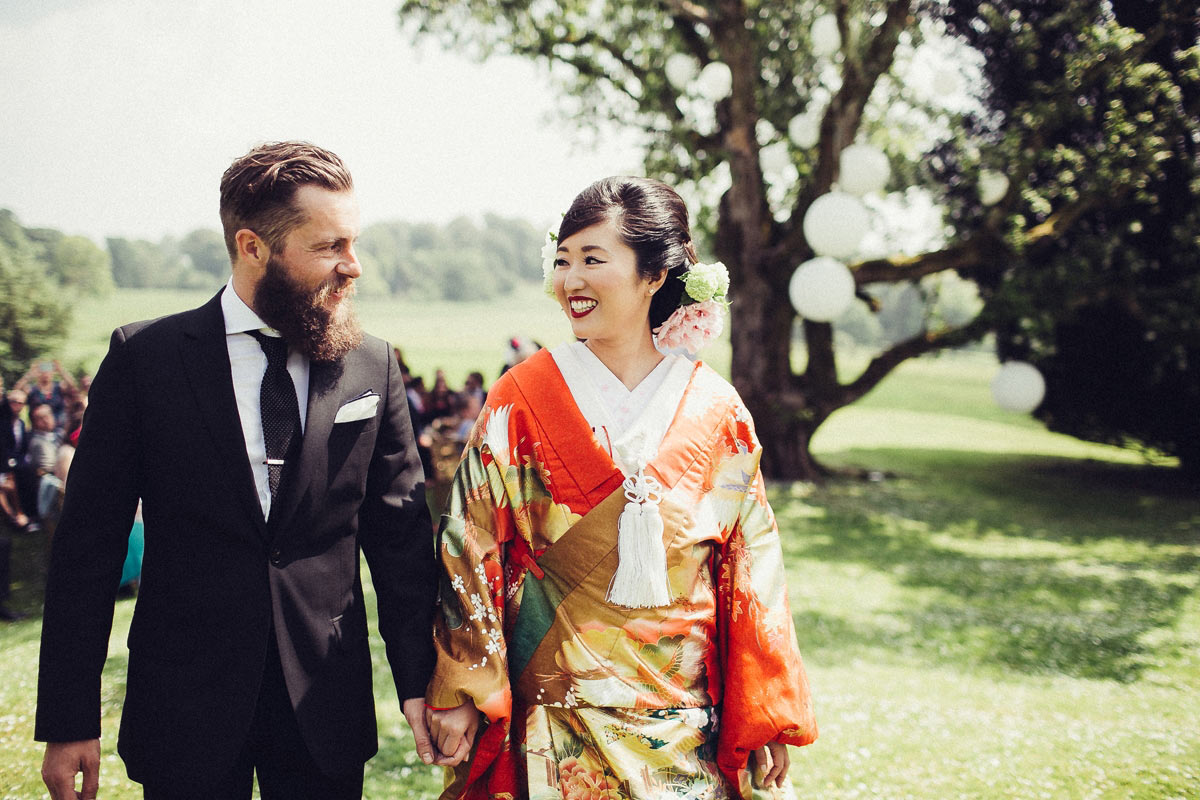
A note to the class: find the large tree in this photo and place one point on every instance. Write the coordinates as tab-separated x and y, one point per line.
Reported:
1109	313
1080	66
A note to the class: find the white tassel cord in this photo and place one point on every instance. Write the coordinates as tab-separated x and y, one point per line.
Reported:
641	577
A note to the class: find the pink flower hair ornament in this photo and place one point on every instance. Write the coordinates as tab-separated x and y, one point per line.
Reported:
700	317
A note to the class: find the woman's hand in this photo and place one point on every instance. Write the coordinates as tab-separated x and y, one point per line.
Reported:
771	762
452	732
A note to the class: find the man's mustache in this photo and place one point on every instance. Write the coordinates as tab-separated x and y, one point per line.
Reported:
331	285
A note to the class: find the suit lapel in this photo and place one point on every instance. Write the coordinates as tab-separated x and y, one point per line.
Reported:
206	359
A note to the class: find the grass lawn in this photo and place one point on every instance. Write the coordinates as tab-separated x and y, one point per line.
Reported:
1000	612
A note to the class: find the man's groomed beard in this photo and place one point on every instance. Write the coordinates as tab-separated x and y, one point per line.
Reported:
301	317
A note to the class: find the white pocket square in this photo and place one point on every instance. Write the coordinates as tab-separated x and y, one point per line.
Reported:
359	408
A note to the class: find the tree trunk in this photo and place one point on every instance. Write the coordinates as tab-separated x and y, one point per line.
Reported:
761	371
785	437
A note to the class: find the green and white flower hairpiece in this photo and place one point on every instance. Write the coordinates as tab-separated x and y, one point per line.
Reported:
704	282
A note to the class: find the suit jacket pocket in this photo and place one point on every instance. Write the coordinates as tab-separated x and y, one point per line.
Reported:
345	439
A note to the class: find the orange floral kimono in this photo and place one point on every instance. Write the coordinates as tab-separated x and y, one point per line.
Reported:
585	698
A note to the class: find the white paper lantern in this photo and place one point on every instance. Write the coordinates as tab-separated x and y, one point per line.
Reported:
804	130
992	187
945	82
775	158
821	289
681	69
826	38
835	224
715	81
1018	386
863	169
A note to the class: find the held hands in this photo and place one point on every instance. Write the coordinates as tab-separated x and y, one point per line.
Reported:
65	760
414	712
771	762
452	732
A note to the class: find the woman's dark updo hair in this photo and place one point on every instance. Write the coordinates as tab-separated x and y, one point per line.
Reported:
651	220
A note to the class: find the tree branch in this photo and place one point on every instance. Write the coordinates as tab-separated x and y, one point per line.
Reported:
842	118
959	256
1060	221
889	359
688	10
692	38
666	99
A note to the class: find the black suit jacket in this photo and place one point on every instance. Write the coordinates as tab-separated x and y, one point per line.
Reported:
162	424
10	450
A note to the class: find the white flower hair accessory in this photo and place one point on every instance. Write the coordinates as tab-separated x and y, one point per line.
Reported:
549	256
700	317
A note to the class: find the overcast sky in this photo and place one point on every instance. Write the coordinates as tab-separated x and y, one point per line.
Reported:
120	115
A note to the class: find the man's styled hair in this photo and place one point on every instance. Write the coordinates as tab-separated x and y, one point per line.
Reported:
259	189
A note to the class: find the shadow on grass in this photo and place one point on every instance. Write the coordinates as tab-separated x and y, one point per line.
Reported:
1035	564
27	567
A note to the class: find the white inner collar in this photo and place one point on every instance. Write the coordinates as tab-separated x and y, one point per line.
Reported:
629	423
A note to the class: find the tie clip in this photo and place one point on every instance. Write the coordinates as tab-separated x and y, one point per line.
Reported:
274	462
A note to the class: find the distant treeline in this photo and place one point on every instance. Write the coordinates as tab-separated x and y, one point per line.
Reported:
461	260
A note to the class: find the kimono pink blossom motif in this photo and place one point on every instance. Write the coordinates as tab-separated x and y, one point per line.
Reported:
692	326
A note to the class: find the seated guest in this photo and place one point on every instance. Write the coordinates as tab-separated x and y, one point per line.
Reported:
48	391
43	443
474	387
441	399
468	407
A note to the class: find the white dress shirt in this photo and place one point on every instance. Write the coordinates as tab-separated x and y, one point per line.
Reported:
248	364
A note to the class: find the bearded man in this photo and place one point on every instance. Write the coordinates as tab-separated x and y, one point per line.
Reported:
269	442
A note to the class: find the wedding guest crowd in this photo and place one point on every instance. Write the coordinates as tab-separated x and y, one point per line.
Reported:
41	412
42	409
443	416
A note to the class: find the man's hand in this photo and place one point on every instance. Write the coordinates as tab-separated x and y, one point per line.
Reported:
771	763
453	732
65	760
414	712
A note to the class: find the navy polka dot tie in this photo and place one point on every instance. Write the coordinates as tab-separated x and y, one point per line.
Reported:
280	409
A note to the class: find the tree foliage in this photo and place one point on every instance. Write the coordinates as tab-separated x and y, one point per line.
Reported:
1107	309
461	260
33	313
1075	103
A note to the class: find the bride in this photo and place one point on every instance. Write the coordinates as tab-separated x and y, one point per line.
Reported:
614	620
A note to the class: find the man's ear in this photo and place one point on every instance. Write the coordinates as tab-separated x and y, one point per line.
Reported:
251	249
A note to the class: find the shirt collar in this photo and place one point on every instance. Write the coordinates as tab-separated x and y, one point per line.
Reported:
239	317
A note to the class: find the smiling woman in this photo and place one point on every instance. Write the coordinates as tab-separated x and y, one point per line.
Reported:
613	599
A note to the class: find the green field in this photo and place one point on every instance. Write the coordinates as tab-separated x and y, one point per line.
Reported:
999	612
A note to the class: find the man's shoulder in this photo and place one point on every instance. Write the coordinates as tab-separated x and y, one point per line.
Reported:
371	350
148	331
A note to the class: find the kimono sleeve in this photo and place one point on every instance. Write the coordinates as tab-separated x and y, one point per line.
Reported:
766	693
469	625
